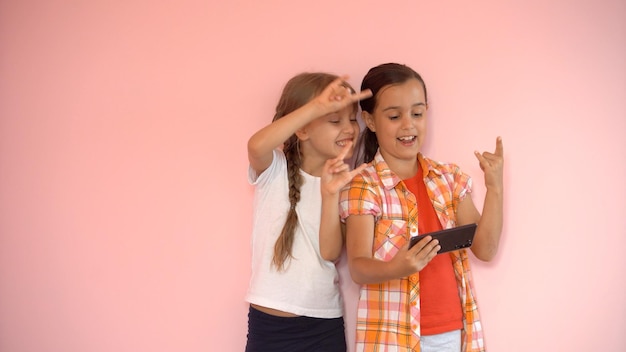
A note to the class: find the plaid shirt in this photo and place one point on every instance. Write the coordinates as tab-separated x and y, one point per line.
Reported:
388	314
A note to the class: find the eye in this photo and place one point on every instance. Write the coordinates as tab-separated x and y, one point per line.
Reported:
418	112
393	117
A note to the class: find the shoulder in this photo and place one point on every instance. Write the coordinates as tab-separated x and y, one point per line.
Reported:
363	185
439	167
446	175
275	169
367	178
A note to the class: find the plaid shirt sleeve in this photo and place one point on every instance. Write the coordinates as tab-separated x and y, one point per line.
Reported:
358	198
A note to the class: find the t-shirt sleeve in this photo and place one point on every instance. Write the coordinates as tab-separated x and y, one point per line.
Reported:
358	198
278	165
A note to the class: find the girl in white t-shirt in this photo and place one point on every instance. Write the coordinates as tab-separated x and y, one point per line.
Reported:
295	303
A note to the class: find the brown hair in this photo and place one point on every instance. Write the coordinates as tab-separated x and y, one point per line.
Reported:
376	79
298	91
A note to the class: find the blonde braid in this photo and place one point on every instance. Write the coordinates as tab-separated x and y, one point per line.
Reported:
284	243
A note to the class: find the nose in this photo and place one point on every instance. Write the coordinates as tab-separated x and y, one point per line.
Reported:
348	126
406	122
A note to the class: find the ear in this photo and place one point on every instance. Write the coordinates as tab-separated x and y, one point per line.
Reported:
369	120
302	134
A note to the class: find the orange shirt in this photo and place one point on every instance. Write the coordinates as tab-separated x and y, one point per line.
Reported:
440	303
388	313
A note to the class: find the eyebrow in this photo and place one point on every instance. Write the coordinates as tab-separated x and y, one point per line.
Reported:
397	107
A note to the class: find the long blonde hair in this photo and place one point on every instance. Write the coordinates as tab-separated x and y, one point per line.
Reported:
298	91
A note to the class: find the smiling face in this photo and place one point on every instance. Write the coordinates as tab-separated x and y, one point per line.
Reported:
325	137
399	121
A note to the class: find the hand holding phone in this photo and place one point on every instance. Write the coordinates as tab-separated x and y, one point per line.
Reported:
450	239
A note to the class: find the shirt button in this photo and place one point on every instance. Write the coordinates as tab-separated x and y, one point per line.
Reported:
413	230
413	278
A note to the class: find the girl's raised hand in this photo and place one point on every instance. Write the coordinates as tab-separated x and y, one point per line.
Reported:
336	173
337	95
492	165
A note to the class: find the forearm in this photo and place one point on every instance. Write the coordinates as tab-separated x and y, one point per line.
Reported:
331	238
487	238
373	271
364	268
264	141
489	228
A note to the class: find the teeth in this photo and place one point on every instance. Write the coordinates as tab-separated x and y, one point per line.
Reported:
409	138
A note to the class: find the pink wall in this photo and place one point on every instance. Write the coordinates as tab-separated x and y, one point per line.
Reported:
124	207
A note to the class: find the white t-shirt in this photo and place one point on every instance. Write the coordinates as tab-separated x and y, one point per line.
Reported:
309	284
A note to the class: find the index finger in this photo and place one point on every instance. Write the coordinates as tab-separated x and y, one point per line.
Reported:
357	170
344	151
362	95
499	148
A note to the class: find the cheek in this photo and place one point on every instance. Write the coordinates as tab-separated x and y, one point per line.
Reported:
421	126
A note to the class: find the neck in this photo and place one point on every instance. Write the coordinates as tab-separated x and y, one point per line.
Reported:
312	166
403	168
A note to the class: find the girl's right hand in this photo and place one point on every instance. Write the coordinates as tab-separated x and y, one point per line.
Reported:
336	173
337	96
408	261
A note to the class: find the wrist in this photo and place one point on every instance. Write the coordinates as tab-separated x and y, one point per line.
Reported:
496	190
315	108
329	195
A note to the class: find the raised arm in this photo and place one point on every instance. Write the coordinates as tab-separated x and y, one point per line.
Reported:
335	174
487	238
333	98
262	144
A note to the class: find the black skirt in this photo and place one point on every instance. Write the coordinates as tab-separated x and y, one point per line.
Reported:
269	333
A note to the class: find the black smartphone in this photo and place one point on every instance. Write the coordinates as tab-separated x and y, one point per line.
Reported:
450	239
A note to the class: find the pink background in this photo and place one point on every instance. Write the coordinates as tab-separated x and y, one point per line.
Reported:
125	213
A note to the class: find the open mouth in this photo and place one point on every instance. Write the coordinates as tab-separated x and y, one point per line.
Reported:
344	142
407	139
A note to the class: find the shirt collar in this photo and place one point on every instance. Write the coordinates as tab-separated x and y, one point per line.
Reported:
389	179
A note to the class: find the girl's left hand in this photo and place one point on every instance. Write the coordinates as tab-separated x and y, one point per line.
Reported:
336	173
492	165
337	95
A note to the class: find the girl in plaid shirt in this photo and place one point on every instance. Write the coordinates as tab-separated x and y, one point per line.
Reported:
295	303
413	299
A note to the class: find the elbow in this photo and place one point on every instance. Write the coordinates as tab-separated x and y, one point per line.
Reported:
361	278
329	252
330	256
358	280
357	276
485	258
253	147
486	254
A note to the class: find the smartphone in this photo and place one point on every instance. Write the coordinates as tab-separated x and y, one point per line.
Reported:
450	239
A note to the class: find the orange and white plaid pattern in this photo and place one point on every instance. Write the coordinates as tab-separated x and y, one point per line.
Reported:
388	314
